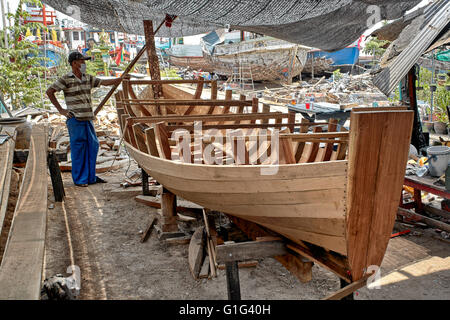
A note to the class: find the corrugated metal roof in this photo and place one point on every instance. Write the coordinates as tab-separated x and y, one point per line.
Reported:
436	19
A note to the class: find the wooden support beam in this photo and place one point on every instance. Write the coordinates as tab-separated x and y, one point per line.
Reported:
168	211
315	147
191	102
346	291
153	60
215	117
55	175
301	145
145	186
233	285
429	221
250	250
148	230
144	82
196	251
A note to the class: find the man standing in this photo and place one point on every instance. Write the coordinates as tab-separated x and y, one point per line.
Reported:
84	144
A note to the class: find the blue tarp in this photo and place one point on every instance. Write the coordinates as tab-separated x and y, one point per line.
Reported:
211	40
346	56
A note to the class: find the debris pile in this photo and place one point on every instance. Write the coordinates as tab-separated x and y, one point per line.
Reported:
106	126
347	91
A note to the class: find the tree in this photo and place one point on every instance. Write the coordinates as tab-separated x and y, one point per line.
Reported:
376	47
20	65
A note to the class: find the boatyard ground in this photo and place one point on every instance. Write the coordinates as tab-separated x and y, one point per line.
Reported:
99	229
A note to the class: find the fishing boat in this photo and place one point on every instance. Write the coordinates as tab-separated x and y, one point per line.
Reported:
50	47
331	194
188	56
266	57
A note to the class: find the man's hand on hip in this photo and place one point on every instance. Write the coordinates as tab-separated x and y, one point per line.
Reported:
67	113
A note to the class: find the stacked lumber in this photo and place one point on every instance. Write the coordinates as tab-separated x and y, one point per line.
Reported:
347	91
108	132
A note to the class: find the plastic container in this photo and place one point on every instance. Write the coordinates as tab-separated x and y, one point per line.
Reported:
23	129
439	157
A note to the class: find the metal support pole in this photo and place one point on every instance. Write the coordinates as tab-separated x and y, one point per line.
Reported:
343	285
145	187
233	286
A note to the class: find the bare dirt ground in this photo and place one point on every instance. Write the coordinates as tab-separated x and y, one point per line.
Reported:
99	231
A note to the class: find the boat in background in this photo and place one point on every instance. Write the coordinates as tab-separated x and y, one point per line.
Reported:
267	58
325	61
188	56
50	45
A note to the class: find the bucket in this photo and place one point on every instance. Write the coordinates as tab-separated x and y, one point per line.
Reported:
23	129
439	157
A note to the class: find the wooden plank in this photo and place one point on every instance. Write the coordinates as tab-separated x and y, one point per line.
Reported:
429	221
226	108
288	152
379	147
436	211
314	148
139	137
301	145
332	127
181	81
22	264
342	148
249	250
241	265
191	102
178	240
210	245
196	251
213	95
204	271
349	289
182	206
255	104
152	148
297	266
163	141
322	258
148	230
6	161
215	117
197	95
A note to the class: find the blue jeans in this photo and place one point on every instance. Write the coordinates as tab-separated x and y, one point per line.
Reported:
84	149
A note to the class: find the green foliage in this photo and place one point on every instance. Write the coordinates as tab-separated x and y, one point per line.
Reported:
170	74
337	75
441	97
375	47
21	74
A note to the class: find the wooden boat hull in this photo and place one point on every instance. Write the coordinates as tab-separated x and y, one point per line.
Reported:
195	63
345	208
305	201
269	59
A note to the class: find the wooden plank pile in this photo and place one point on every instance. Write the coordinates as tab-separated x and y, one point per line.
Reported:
108	132
347	91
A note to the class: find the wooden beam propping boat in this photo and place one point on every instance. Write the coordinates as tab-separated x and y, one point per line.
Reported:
333	195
